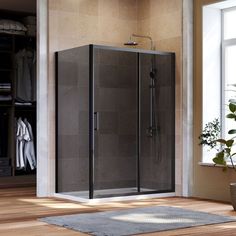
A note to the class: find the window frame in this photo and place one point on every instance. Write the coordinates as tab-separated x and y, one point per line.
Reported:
223	44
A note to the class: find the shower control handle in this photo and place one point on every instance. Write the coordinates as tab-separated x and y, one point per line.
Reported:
96	121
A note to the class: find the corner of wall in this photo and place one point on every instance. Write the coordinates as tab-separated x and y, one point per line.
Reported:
187	98
45	166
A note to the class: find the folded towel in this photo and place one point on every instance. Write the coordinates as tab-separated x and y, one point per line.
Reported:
5	98
12	25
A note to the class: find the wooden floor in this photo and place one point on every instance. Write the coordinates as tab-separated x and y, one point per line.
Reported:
20	210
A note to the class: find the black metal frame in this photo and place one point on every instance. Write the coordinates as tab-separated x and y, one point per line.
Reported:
173	118
91	114
137	50
56	120
138	123
91	123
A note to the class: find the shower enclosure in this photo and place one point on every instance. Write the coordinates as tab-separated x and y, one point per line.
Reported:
115	129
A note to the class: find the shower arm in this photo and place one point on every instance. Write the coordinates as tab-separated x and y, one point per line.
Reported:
146	37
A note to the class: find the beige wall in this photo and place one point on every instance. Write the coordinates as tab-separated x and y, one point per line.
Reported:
77	22
209	182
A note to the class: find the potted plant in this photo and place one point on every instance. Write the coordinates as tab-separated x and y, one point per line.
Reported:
225	154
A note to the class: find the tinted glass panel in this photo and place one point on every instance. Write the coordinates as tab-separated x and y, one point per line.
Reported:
73	121
157	123
115	106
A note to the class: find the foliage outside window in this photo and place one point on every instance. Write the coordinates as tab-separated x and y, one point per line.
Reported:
225	153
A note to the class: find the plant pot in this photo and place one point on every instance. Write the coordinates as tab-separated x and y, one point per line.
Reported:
233	194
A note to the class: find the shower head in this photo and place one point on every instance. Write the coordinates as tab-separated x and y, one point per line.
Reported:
131	43
134	43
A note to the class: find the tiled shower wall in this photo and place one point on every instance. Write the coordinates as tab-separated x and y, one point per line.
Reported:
110	22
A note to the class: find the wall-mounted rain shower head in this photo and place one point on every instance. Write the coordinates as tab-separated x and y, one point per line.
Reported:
133	43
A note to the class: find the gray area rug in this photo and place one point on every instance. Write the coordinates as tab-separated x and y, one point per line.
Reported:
136	221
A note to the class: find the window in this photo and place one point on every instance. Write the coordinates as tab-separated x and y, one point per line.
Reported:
228	64
219	68
229	18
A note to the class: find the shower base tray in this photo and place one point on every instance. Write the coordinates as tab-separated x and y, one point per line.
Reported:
109	195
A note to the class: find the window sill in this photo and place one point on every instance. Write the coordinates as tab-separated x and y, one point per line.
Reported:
213	165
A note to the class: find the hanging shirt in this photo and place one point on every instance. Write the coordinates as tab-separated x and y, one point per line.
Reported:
22	135
25	61
29	152
24	145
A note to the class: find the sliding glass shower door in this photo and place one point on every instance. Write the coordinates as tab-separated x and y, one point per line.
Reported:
157	122
115	122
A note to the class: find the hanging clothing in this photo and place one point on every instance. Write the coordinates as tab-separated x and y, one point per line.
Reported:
29	152
24	145
25	61
22	135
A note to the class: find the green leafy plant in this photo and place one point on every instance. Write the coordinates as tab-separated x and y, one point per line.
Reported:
210	134
224	147
226	153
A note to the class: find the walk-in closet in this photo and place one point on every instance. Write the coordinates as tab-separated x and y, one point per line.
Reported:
18	161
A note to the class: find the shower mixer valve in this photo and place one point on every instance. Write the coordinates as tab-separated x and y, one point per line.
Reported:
151	131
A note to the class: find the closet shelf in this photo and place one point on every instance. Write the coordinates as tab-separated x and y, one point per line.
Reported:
4	92
18	105
24	36
25	108
5	104
2	34
5	51
6	70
